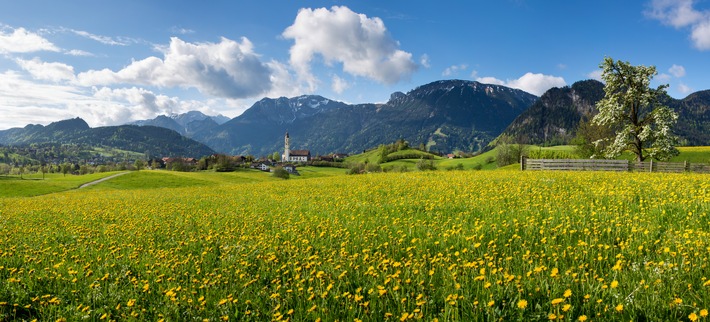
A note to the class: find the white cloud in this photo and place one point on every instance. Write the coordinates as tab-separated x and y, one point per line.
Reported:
361	44
22	41
680	14
535	84
77	52
55	72
490	80
182	31
685	89
453	70
677	13
24	101
677	71
663	77
227	69
701	35
339	85
106	40
597	74
424	61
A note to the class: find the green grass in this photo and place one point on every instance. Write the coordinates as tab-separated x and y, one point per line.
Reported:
33	185
693	154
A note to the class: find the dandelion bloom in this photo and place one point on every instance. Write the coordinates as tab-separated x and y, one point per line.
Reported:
619	308
703	313
693	317
557	301
567	293
522	304
582	318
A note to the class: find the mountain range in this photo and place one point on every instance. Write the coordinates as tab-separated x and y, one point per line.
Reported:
444	116
148	140
553	119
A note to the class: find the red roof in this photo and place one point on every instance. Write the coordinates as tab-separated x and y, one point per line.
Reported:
299	153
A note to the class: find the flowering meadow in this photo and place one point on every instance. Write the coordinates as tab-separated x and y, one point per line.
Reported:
446	246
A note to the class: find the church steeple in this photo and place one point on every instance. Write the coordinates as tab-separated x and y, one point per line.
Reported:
287	149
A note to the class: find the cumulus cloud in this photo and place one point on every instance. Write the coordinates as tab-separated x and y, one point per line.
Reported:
453	70
361	44
339	85
682	14
55	72
228	69
24	101
535	84
677	71
22	41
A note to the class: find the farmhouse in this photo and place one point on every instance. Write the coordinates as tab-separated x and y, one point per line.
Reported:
294	155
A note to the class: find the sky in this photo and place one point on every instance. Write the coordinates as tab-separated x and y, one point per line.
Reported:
113	62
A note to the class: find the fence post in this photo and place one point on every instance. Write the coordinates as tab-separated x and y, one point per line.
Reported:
686	166
650	166
522	162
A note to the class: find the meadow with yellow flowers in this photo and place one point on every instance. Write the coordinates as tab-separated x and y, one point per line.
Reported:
446	246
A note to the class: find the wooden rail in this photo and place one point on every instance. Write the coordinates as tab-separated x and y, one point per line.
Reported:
611	165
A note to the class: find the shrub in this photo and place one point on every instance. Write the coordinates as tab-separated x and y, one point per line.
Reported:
280	172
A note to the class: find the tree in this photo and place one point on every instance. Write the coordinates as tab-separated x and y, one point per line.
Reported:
589	140
66	167
633	109
138	164
508	153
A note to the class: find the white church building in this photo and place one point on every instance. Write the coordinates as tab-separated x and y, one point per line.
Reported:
294	155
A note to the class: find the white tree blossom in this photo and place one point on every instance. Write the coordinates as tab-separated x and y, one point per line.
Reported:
631	107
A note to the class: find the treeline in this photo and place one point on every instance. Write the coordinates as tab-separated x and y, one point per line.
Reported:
55	154
7	169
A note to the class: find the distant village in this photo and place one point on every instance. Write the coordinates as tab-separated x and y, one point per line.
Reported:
289	161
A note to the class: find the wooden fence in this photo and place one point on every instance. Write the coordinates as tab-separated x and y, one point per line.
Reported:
611	165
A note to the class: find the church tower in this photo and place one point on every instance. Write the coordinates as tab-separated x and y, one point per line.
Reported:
287	149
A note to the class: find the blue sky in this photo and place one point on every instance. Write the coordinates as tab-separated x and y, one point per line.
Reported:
112	62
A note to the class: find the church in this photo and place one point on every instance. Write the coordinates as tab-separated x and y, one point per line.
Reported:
294	155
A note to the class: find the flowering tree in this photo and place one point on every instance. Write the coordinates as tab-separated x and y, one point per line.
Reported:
632	108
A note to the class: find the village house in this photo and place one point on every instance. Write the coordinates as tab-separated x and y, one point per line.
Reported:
291	169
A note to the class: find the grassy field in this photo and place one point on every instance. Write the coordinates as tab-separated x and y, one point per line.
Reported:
34	185
445	245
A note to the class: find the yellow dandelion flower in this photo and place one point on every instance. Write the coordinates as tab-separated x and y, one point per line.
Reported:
619	308
567	293
566	307
614	284
522	304
491	303
582	318
557	301
703	313
552	316
693	317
